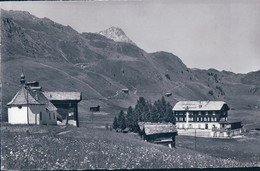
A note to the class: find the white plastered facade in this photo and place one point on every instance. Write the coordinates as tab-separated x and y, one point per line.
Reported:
37	114
197	125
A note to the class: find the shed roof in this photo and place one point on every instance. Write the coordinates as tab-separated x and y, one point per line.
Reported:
40	97
63	95
157	128
199	105
21	98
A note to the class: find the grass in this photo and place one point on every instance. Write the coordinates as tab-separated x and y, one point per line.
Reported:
250	118
244	150
42	147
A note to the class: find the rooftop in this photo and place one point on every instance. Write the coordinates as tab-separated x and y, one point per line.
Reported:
24	97
63	95
157	127
38	95
35	97
199	105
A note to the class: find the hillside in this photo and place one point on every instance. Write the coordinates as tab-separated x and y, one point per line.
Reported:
62	59
56	148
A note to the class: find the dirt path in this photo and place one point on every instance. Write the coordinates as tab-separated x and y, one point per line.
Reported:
135	91
117	93
64	132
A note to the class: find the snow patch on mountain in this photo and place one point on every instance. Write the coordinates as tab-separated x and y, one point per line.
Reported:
116	34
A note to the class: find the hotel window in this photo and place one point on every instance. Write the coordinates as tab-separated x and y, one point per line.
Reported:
199	113
206	113
195	113
210	112
197	119
214	112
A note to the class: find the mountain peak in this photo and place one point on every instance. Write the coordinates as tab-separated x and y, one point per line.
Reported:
116	34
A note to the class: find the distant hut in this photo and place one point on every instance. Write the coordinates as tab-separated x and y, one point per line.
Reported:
159	133
168	94
118	130
126	130
126	91
94	109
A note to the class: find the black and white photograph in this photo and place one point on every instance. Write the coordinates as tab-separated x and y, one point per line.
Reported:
130	84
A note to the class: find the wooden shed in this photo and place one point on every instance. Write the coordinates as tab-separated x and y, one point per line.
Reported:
67	104
159	133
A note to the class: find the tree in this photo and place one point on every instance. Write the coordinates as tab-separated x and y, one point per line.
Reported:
115	123
154	113
130	118
139	108
160	112
121	120
146	111
169	115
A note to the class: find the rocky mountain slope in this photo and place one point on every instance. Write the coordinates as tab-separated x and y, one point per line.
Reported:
62	59
116	34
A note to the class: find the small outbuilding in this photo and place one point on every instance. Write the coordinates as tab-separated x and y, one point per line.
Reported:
126	91
159	133
126	130
94	109
66	104
168	94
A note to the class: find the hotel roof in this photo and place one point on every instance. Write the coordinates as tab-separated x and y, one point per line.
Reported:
199	105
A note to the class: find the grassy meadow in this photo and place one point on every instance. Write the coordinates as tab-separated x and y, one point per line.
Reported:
55	147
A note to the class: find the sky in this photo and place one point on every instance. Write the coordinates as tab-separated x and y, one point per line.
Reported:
220	34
